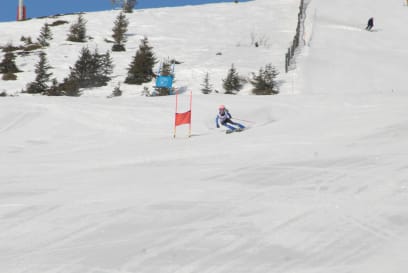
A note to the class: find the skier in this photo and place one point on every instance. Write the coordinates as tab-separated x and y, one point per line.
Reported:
370	24
224	117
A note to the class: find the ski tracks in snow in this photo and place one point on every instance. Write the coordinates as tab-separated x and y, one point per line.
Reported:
333	221
13	120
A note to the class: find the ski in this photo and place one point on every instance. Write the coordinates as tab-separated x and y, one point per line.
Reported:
229	131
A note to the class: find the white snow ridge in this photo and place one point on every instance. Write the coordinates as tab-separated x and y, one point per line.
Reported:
317	184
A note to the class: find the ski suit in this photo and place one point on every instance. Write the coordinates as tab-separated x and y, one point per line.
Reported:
224	117
370	23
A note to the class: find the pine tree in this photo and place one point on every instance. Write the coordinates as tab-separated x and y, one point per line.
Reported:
141	68
119	31
166	69
206	86
42	76
82	70
129	5
8	64
77	32
90	70
103	68
232	84
45	35
8	67
107	64
41	70
265	82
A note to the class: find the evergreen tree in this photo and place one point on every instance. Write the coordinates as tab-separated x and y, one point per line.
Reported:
129	5
141	68
233	83
265	82
119	31
206	86
41	70
107	64
77	32
8	64
45	35
42	76
90	70
83	69
103	68
166	69
8	67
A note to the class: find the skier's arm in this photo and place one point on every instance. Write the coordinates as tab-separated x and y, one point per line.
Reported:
216	122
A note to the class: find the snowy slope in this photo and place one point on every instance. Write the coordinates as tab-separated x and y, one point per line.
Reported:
357	60
318	183
192	35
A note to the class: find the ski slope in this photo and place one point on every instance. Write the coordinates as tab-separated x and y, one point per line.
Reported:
318	183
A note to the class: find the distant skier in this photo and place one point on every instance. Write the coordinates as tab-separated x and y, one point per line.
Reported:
370	24
224	117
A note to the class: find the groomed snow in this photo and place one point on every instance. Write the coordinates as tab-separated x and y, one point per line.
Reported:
318	183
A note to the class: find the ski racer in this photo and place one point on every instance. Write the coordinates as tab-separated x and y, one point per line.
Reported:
370	24
224	117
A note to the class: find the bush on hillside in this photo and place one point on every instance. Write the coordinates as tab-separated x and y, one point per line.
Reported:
26	40
8	64
70	87
117	92
58	23
9	77
10	48
32	47
54	89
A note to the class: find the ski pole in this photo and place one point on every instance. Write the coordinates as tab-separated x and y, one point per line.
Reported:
244	120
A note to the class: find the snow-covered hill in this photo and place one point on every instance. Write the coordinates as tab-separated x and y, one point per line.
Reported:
345	57
319	182
192	35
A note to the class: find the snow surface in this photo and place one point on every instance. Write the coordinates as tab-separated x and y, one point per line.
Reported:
319	182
